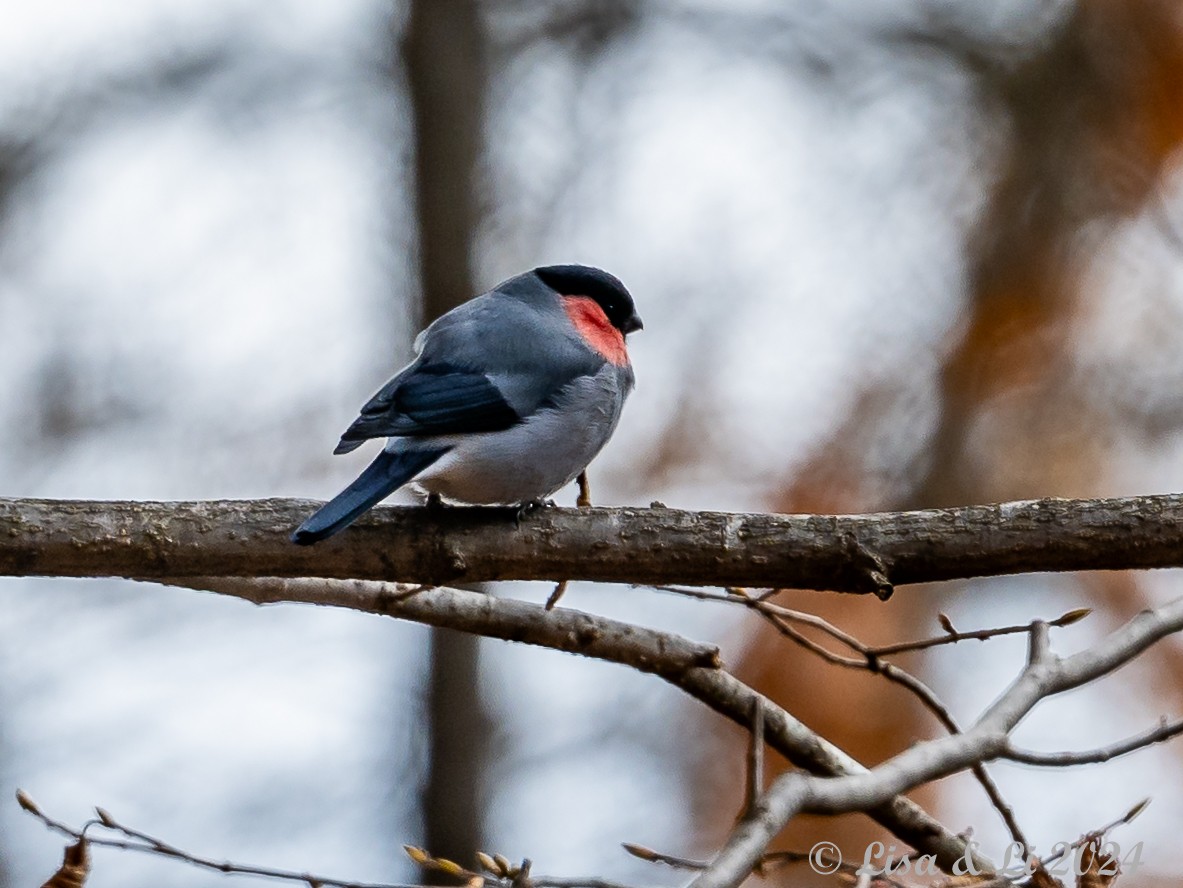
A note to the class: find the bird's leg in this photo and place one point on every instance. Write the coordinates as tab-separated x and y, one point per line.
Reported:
583	501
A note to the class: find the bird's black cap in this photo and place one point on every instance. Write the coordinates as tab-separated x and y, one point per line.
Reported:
606	289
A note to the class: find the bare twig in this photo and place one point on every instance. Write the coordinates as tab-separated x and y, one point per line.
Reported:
693	667
755	783
1044	675
871	661
145	844
558	592
1165	731
756	601
1072	616
768	861
1127	817
141	842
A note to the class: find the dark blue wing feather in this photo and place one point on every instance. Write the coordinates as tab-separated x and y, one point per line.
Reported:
436	399
483	367
444	400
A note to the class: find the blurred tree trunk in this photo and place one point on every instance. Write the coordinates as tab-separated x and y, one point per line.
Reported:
444	50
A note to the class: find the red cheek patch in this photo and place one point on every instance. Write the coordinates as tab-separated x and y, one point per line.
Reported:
597	331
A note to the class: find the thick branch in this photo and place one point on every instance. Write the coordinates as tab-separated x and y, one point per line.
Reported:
860	553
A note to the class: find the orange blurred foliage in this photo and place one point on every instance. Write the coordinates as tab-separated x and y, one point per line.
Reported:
1094	117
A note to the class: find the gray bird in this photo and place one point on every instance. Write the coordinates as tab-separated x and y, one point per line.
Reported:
509	397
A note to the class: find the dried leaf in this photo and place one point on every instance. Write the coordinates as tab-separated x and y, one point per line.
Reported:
1041	878
74	869
488	864
105	818
507	868
1096	870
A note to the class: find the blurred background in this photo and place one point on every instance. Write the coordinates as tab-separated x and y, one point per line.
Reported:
889	255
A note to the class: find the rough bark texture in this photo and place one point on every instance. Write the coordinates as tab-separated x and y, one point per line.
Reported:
858	553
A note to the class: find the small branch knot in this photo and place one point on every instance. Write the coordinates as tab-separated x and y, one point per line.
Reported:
869	566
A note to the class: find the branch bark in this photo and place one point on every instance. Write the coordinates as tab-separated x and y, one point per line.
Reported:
855	553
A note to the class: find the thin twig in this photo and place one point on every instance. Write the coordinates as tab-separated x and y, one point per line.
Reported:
558	592
1127	817
755	762
871	659
1045	675
768	862
1165	731
780	617
693	667
144	843
1067	619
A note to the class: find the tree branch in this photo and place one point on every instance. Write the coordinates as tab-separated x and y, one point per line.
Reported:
237	541
1044	675
143	843
652	546
1165	731
694	668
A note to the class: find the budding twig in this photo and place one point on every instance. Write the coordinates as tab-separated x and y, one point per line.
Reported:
141	842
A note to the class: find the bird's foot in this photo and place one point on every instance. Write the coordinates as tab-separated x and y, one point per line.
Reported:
435	502
528	507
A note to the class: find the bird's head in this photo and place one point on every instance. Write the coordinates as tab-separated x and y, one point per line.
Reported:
599	286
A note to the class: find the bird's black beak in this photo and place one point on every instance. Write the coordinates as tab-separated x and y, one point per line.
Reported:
633	324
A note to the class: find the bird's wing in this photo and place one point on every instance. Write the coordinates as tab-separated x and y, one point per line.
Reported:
444	393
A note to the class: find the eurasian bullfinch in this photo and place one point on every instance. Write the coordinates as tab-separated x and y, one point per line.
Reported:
509	397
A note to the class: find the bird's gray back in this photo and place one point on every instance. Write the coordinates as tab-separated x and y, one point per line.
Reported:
529	350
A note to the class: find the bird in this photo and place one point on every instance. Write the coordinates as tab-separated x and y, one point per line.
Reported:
509	396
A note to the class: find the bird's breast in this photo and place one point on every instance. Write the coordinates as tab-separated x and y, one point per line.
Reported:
596	330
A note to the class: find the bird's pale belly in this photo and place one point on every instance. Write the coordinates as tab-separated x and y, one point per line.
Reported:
527	462
531	460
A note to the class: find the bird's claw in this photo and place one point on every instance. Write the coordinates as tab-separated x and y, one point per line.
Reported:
530	506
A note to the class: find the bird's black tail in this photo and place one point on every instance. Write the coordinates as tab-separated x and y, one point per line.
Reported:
381	478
